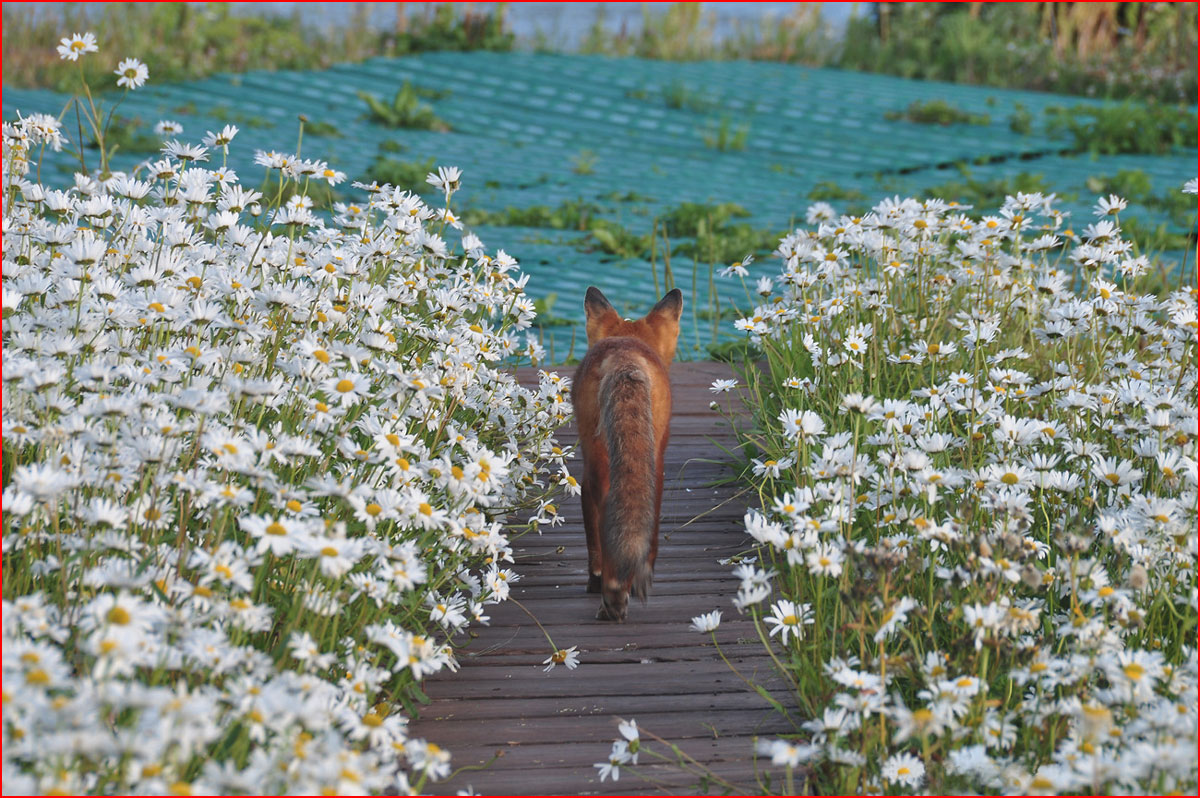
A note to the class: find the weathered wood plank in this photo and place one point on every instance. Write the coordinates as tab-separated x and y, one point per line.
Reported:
552	726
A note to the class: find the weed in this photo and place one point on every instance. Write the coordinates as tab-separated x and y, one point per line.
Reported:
724	137
569	215
610	237
189	41
545	318
677	95
1021	121
405	111
1135	185
626	196
224	113
407	175
696	219
730	243
1153	238
1151	128
938	112
735	351
584	163
326	129
829	190
983	193
127	135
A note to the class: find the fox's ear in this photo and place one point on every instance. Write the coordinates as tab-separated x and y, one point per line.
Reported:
670	306
595	304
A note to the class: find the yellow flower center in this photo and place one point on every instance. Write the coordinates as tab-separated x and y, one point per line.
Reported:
118	615
345	386
276	528
321	355
1134	671
373	509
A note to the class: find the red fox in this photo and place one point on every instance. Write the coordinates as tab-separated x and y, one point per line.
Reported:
622	395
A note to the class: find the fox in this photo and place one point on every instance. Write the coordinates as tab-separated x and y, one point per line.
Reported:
622	395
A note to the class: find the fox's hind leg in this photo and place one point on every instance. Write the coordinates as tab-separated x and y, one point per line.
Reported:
594	489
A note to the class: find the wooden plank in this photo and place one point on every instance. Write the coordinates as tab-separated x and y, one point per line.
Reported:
552	726
481	709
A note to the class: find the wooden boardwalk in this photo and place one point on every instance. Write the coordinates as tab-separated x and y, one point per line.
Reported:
550	728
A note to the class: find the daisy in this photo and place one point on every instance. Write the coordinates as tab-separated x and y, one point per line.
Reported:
789	618
801	424
168	127
132	73
629	730
903	769
71	48
617	757
563	656
278	535
707	622
221	139
1110	206
347	388
446	179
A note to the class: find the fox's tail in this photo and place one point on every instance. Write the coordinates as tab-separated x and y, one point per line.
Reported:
629	510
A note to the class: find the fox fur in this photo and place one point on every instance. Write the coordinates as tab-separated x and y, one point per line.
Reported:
622	395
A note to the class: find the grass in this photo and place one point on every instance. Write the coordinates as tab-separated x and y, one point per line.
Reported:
305	564
937	112
404	111
1130	127
568	215
724	136
187	41
1136	186
913	542
676	94
1103	50
584	162
230	115
696	219
829	190
322	128
407	175
988	192
130	135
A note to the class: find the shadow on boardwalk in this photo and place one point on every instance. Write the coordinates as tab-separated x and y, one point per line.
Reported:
551	727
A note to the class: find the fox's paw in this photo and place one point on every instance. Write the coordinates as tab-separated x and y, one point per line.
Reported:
593	583
607	613
613	606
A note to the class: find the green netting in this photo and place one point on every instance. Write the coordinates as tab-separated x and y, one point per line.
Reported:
540	129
